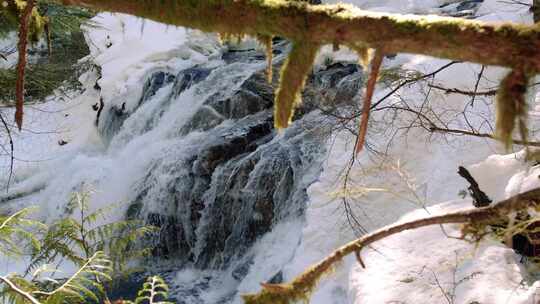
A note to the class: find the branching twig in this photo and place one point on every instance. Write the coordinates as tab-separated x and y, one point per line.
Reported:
12	150
477	84
413	80
462	92
433	127
302	285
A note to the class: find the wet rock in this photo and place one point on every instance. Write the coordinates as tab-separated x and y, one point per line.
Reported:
187	78
236	180
277	278
242	270
157	81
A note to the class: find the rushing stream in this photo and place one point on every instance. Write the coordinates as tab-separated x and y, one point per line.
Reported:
192	150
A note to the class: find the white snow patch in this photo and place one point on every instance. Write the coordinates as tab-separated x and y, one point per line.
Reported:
425	266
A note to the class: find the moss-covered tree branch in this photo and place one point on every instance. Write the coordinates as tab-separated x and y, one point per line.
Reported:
475	220
504	44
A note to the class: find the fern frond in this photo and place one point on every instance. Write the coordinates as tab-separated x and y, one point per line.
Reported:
61	240
17	230
78	286
18	290
154	291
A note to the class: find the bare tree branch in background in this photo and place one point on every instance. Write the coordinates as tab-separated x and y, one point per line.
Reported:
462	92
476	220
12	150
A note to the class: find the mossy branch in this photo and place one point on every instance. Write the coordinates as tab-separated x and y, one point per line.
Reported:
266	41
293	76
503	44
474	219
512	107
21	65
376	63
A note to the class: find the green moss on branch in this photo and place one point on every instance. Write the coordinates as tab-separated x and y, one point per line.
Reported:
293	77
452	38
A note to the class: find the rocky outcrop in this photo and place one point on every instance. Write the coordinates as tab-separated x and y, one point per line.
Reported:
235	177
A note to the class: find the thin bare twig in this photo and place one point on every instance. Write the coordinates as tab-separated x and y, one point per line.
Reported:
477	217
12	150
477	84
462	92
413	80
433	127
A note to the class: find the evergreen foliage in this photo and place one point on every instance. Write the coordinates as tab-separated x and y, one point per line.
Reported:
52	68
77	238
17	229
154	291
100	252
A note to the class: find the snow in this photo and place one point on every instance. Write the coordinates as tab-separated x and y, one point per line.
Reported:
507	167
409	6
418	170
48	171
425	266
127	48
416	173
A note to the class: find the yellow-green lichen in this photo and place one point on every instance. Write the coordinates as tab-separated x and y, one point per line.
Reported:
293	76
511	106
266	41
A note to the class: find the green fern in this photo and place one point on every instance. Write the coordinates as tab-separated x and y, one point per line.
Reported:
154	291
15	288
100	250
75	239
17	229
61	240
84	286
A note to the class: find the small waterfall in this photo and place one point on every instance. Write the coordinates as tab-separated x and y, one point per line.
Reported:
225	178
196	155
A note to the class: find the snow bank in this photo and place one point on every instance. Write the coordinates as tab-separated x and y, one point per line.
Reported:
425	266
409	6
418	169
415	171
126	48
